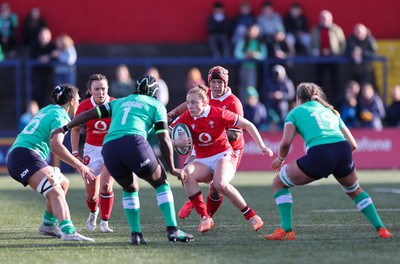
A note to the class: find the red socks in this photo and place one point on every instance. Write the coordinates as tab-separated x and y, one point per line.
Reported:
92	205
213	204
199	205
106	205
248	212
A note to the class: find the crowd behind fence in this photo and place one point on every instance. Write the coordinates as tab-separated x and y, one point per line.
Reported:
23	69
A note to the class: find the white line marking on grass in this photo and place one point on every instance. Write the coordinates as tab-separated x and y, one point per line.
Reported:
386	190
352	210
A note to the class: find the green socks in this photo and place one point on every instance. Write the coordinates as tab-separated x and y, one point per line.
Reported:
165	201
67	227
283	199
365	205
131	204
49	219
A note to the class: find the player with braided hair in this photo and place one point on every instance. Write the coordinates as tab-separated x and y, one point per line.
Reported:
329	151
126	152
220	95
26	162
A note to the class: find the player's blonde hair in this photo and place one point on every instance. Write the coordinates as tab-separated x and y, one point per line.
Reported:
201	91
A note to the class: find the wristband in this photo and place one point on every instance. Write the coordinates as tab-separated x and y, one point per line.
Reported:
65	128
75	153
280	158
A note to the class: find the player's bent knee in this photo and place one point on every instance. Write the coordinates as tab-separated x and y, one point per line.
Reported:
283	176
352	188
50	181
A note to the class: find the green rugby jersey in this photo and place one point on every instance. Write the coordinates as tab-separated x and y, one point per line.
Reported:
135	114
316	124
36	135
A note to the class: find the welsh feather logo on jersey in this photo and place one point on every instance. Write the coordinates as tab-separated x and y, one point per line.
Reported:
211	123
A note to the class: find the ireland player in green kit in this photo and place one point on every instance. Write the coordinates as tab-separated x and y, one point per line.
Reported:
126	151
329	151
26	162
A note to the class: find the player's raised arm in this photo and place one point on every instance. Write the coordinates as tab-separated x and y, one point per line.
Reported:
82	118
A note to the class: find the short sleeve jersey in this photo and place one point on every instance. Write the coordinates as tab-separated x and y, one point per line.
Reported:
96	129
36	135
230	102
316	124
135	114
209	131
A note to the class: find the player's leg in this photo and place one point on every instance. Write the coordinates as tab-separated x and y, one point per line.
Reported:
187	207
92	201
223	174
215	198
93	159
289	176
365	205
106	199
198	172
48	181
165	201
345	174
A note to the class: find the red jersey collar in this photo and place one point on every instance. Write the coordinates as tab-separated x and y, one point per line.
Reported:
224	96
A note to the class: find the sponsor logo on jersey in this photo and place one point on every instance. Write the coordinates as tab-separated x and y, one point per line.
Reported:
100	125
144	163
23	174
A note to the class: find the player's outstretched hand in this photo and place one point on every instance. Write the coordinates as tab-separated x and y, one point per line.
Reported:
266	150
180	174
86	172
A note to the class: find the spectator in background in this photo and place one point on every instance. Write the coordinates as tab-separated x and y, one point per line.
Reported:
242	21
254	110
8	30
360	46
31	27
393	112
123	85
249	49
278	95
162	93
194	78
327	39
31	110
270	22
65	56
278	47
42	75
372	110
349	107
218	26
297	30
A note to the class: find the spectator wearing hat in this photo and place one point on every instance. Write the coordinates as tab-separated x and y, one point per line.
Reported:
254	110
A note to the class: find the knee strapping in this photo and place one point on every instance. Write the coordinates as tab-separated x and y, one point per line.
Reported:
50	182
285	178
350	189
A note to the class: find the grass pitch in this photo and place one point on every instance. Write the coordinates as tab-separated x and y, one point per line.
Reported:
328	228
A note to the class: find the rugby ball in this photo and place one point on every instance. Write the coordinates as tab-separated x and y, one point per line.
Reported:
178	130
